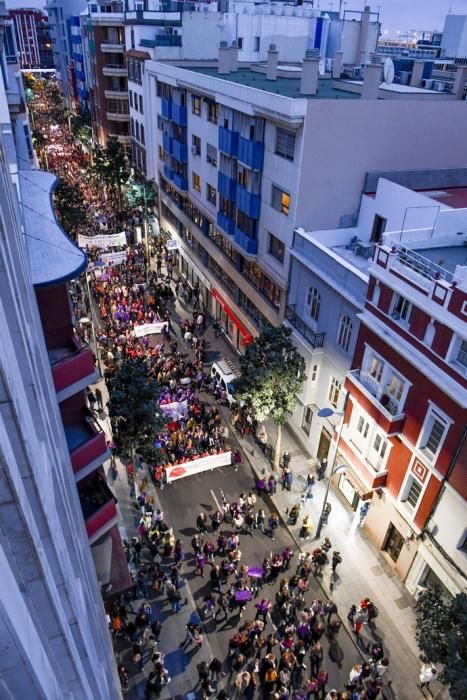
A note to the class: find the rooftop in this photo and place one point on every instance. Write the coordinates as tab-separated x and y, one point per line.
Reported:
287	87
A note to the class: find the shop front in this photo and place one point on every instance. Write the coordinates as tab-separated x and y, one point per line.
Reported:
195	278
351	486
233	328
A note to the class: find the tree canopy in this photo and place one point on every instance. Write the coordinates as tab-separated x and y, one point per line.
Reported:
272	373
69	205
110	166
141	194
442	638
133	408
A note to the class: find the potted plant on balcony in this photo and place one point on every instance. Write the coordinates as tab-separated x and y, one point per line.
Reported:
384	400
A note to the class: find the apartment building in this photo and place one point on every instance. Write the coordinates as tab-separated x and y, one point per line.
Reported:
52	617
246	153
32	37
63	23
406	394
103	39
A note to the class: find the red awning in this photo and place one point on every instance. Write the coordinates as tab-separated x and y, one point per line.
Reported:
247	337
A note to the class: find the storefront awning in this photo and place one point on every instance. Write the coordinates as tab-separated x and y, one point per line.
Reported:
357	484
247	337
111	563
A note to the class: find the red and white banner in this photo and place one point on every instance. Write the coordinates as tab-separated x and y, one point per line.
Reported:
197	466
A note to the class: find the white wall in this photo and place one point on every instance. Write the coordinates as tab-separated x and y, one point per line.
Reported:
451	522
454	41
344	139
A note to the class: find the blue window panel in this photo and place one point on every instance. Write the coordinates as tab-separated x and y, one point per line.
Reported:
228	141
227	186
225	223
248	202
249	245
251	153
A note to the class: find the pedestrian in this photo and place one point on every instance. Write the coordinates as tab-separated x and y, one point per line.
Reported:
363	512
138	655
193	636
91	400
273	523
323	679
215	667
427	674
98	395
201	523
336	559
260	519
174	597
316	658
203	671
285	461
222	603
306	529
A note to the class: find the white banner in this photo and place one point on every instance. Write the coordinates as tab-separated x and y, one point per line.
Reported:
114	258
110	240
174	410
149	328
202	464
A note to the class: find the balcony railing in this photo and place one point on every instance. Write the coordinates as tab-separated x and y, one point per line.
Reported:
316	340
72	367
98	505
87	445
115	69
418	263
378	392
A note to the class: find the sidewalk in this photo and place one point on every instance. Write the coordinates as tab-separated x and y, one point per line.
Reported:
364	571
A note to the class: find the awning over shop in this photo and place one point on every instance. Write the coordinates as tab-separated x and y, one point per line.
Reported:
357	484
246	336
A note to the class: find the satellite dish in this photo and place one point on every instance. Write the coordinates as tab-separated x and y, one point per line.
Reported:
322	67
388	71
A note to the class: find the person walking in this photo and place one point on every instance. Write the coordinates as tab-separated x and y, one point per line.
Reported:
98	395
363	512
174	597
336	560
427	674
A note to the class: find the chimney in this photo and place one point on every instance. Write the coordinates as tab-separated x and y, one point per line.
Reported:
271	68
363	35
223	66
337	64
417	73
234	57
372	79
459	82
310	73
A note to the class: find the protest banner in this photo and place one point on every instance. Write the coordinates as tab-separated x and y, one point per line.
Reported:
149	328
198	465
105	240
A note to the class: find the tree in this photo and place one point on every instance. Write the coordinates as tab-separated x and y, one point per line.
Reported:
110	166
442	638
272	373
70	205
133	408
141	194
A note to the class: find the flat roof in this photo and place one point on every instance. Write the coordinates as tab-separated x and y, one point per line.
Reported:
446	257
287	87
455	197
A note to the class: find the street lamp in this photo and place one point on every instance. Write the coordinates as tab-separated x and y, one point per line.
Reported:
327	413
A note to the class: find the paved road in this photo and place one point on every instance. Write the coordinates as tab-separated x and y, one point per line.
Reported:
181	501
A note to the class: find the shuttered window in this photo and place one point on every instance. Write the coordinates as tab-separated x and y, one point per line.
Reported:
285	144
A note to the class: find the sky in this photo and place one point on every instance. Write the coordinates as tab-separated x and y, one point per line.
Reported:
395	14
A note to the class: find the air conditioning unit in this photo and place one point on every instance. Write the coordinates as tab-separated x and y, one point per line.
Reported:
427	84
438	86
195	150
357	72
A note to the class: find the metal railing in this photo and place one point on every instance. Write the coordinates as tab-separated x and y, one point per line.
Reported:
377	391
316	340
421	265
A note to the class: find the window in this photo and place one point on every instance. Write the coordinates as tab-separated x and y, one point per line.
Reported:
161	153
130	95
345	333
334	391
395	387
380	445
196	105
285	144
433	433
362	427
313	303
142	134
314	373
196	145
462	354
376	369
211	155
402	310
213	111
140	98
276	248
256	43
196	182
413	492
306	419
211	194
280	200
242	176
240	42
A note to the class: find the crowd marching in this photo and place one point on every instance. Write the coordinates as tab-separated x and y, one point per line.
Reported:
277	649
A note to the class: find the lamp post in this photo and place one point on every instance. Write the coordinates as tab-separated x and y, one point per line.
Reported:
327	413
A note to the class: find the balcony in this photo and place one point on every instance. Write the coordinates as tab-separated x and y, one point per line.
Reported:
175	148
249	245
179	114
98	505
248	202
180	181
115	70
73	368
169	173
110	46
166	108
87	445
161	40
118	116
251	153
125	139
316	340
225	223
116	94
228	142
227	186
375	401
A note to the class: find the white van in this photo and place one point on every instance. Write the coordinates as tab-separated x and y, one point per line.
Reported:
225	372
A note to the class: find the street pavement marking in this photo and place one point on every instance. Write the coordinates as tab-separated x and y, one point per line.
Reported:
215	500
